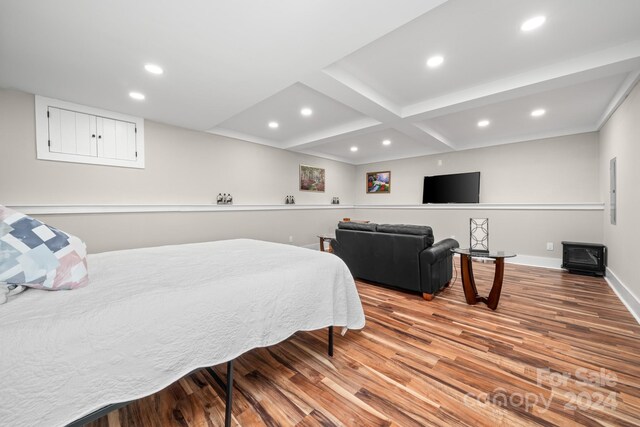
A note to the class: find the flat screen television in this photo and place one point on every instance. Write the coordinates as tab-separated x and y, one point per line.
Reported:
454	188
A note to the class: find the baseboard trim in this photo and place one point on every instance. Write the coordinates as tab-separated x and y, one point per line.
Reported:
536	261
628	298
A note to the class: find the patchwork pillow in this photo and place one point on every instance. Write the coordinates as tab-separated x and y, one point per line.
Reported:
36	255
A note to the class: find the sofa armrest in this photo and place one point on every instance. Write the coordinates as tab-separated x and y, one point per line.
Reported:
438	251
335	246
436	265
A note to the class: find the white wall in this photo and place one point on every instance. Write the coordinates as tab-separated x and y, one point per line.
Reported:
556	170
188	167
559	170
183	167
620	138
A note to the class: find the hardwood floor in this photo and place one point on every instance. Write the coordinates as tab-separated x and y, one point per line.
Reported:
560	349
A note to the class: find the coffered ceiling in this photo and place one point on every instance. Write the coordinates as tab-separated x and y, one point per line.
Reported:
358	69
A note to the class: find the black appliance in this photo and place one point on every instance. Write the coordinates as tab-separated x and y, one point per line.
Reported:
584	258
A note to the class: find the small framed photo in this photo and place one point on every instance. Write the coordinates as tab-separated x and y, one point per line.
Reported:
379	182
311	179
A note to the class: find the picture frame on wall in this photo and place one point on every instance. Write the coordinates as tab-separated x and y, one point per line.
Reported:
312	179
378	182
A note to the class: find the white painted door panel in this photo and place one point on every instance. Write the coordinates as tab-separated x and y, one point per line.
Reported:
132	152
62	131
125	140
54	140
106	138
71	132
85	134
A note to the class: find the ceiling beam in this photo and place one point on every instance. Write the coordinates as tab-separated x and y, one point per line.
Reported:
624	90
346	89
608	62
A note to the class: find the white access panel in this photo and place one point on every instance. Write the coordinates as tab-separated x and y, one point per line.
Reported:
71	132
74	133
125	140
116	139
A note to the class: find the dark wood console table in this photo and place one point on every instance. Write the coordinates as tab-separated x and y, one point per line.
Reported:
469	284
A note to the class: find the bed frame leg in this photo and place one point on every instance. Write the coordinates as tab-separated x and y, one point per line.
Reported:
330	347
228	388
229	397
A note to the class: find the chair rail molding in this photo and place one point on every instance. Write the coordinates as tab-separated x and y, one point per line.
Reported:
588	206
59	209
101	209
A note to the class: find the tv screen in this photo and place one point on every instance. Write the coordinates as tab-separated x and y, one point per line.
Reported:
455	188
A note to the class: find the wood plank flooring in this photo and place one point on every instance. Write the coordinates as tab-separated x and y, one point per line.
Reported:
561	349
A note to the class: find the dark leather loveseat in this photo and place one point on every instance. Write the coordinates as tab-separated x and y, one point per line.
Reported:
401	256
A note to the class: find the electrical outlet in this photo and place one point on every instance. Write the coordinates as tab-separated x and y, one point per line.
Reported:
290	239
549	246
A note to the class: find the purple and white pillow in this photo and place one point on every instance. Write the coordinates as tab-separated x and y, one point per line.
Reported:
39	256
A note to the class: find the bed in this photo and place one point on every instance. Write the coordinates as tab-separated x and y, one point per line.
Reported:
150	316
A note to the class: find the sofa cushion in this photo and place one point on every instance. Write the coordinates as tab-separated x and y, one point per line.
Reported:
417	230
358	226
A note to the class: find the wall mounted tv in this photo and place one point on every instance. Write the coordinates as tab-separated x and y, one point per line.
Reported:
454	188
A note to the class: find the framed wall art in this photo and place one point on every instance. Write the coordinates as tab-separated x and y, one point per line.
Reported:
312	179
379	182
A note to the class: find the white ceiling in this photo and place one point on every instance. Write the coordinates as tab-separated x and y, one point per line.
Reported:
232	66
220	57
482	42
569	109
285	108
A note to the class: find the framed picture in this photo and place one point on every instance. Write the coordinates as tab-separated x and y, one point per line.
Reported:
379	182
311	179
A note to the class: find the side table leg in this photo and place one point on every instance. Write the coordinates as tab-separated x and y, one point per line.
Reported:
468	284
321	244
496	289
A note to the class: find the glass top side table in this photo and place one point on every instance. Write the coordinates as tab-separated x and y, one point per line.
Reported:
468	282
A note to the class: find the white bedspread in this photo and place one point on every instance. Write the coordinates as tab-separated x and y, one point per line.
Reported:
150	316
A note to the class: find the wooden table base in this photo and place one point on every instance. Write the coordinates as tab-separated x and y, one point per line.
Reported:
469	284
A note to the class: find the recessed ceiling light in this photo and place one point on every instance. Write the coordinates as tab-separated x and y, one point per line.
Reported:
306	111
354	148
533	23
153	69
386	142
136	95
539	112
483	123
435	61
273	125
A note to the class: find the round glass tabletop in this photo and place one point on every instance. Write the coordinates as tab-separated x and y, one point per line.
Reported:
483	254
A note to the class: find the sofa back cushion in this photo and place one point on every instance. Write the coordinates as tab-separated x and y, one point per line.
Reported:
415	230
392	259
359	226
